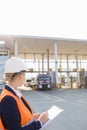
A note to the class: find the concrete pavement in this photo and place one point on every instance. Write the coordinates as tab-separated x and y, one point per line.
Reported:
74	103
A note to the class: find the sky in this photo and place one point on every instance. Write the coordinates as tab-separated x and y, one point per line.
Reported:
49	18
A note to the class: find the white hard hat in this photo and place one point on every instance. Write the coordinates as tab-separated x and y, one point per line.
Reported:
14	65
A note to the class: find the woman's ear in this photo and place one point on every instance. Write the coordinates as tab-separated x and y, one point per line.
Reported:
19	76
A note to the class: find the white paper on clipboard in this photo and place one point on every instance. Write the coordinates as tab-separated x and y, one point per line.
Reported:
52	113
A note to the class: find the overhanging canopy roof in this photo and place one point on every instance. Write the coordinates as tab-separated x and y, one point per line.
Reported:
38	45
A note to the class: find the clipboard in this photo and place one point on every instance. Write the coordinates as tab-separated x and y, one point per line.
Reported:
53	112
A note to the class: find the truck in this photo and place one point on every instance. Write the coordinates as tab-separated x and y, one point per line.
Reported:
43	82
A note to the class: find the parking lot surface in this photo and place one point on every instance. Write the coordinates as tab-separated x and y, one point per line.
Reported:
73	102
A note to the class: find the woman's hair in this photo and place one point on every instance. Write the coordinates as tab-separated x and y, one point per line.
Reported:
11	76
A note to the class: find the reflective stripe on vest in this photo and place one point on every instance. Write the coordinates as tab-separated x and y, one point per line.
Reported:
26	115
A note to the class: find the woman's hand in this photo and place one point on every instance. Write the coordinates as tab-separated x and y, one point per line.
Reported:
43	117
36	116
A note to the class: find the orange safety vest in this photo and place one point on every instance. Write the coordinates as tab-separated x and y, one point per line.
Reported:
26	115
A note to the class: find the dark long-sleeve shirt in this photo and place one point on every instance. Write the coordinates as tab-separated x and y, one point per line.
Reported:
10	114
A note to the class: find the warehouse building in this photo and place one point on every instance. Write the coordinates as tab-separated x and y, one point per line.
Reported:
64	59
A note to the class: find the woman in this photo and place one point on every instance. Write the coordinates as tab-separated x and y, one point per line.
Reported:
15	111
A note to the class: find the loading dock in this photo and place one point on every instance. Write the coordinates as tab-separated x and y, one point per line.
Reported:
44	50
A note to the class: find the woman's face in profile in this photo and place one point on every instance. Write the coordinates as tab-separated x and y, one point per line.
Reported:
22	78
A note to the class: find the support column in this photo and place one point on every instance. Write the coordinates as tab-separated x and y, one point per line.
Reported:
77	66
34	62
15	48
48	60
42	63
68	83
60	82
56	64
39	65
